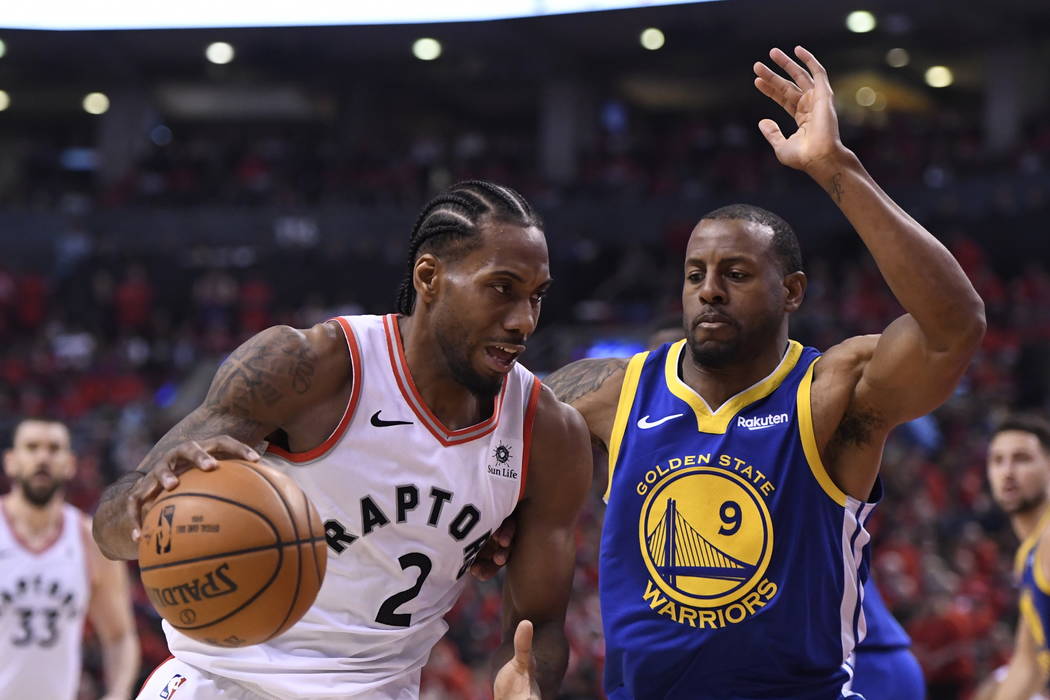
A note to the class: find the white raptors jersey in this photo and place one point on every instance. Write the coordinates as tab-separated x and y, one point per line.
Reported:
43	599
407	504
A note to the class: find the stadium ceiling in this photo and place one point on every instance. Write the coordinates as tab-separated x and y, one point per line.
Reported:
184	14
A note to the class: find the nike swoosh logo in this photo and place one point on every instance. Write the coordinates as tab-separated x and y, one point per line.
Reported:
645	424
380	423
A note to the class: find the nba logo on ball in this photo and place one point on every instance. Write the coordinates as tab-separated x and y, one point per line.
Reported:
165	529
168	691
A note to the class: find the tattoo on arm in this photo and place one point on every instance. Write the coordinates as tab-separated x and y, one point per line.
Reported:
582	377
836	189
263	372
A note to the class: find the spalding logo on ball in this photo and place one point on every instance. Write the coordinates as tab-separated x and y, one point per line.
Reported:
234	556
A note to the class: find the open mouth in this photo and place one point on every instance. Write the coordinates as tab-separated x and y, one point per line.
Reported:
503	355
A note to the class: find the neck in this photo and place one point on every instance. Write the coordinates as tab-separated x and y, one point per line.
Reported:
1025	523
32	522
453	404
719	384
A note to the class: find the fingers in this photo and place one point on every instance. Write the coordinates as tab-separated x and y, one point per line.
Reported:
784	93
141	493
523	645
772	132
229	447
815	68
803	79
504	534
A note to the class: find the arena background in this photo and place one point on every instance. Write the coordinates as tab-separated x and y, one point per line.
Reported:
203	201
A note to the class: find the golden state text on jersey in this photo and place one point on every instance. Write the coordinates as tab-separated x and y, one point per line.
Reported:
732	567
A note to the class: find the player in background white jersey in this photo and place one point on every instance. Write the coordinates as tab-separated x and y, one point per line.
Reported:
477	273
52	576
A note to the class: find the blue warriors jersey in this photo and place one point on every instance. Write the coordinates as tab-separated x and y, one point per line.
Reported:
1034	603
884	632
731	566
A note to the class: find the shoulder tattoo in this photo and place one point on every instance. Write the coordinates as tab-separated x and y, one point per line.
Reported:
582	377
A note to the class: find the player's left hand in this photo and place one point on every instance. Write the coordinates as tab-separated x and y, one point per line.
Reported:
517	679
808	99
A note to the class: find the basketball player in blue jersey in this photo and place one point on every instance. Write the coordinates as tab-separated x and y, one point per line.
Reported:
743	466
1019	475
884	666
413	435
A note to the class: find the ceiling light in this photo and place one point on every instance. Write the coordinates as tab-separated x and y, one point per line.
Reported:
96	103
652	39
939	76
426	49
860	21
219	52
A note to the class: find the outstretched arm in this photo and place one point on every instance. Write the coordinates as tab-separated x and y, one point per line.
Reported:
262	385
915	364
539	575
1024	677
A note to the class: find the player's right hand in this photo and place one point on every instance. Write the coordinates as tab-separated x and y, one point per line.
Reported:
495	554
517	679
163	473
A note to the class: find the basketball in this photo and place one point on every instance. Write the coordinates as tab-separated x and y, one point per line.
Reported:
234	556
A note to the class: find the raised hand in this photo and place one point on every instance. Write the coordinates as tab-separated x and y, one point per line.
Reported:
807	98
517	679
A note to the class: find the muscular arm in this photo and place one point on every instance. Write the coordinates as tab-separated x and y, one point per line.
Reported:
539	575
110	613
913	367
267	382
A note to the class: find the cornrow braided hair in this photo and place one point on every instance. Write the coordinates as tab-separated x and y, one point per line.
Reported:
449	226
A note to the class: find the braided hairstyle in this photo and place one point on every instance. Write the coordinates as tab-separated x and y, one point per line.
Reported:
448	226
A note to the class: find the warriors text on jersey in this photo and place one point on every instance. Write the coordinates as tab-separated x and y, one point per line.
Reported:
1035	591
407	504
732	567
43	600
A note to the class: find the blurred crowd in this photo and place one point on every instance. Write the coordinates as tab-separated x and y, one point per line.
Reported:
122	346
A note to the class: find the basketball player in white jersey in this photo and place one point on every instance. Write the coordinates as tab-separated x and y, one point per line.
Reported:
414	434
52	576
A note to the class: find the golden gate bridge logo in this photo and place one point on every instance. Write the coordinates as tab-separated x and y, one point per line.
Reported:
678	549
706	536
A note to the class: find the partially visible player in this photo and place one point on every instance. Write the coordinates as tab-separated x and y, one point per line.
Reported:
52	576
743	466
415	435
1019	475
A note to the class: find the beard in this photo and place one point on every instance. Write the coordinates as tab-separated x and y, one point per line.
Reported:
741	346
1027	504
40	496
452	341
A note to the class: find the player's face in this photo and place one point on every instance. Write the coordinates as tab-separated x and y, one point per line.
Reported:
733	298
40	461
1018	471
490	304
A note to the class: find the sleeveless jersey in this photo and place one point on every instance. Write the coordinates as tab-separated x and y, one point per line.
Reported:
884	632
44	597
407	505
1034	602
731	565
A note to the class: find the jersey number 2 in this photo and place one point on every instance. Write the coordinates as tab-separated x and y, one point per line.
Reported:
386	615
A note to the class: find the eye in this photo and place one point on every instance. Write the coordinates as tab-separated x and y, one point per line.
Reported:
737	275
538	297
502	288
695	277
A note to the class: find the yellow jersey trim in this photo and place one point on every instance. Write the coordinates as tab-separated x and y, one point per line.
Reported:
1038	574
708	421
1035	626
623	410
809	438
1029	542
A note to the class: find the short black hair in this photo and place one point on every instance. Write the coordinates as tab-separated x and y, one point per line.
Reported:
1027	423
785	243
448	226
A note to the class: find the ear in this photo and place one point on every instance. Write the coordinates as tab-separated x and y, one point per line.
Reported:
9	464
795	284
426	277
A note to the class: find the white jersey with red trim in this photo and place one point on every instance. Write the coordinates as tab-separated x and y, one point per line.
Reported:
44	596
407	504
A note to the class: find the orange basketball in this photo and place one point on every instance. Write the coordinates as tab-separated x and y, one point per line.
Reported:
233	556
